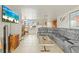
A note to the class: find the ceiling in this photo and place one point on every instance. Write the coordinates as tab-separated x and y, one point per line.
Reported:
51	10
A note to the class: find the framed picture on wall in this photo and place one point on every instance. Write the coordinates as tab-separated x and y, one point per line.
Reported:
74	19
62	18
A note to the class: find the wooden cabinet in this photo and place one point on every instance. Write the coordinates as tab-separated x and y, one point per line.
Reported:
1	45
54	23
13	42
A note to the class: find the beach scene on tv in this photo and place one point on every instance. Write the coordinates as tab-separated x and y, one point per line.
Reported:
9	16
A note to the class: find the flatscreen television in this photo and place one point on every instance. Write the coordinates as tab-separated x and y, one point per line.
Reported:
8	15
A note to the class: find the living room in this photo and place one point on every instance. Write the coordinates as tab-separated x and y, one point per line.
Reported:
58	22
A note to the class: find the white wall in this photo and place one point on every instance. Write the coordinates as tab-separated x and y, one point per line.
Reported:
44	17
29	13
41	20
40	16
49	24
66	22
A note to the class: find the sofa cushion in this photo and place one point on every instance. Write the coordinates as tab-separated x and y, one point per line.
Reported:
75	49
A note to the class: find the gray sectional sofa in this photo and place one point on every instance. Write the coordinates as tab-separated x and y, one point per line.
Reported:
67	39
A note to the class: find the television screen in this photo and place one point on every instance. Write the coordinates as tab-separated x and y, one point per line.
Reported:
9	16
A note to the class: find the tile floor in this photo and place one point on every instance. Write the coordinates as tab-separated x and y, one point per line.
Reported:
31	44
28	45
